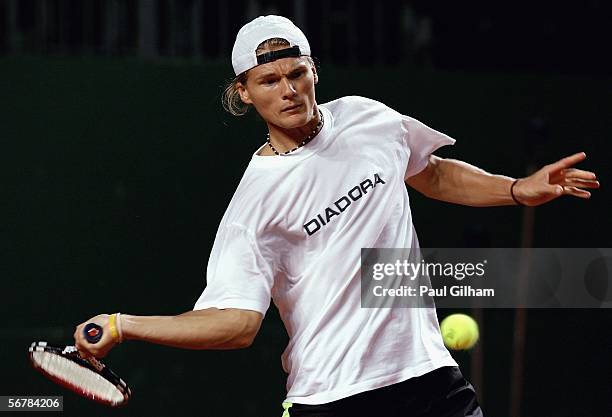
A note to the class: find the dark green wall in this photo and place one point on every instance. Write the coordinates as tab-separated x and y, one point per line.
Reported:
115	174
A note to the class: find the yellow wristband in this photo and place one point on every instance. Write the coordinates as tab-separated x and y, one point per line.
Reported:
112	325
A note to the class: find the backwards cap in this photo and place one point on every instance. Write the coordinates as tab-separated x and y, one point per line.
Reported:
251	35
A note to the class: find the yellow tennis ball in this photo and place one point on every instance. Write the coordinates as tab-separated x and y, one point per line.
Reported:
459	331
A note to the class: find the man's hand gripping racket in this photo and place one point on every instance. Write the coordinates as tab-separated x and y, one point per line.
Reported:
76	367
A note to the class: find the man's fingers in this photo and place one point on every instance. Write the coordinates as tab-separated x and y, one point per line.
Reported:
567	161
576	182
579	173
80	343
77	336
576	192
88	350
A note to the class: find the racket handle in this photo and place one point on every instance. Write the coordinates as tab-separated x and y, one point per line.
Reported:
92	332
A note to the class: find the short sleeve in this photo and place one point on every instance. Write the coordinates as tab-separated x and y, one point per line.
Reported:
237	275
421	141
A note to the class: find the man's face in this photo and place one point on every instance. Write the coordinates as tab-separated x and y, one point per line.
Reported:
282	91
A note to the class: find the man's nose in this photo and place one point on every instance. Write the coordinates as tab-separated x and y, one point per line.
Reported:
288	89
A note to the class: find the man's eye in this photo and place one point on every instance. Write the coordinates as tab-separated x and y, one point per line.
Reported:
268	82
297	74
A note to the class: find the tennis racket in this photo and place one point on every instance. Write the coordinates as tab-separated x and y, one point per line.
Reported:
86	376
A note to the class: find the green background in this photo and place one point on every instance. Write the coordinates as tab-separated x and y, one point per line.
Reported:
115	175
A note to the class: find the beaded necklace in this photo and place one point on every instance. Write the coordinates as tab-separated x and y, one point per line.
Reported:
308	138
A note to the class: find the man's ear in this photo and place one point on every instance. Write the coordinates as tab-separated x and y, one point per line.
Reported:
244	94
315	75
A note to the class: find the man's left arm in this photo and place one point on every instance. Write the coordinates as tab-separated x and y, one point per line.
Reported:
458	182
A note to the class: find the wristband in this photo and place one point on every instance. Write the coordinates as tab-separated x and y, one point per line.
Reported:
112	326
512	193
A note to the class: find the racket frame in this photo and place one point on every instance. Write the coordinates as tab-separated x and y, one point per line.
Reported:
71	353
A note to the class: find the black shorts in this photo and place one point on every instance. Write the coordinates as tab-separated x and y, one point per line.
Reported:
440	393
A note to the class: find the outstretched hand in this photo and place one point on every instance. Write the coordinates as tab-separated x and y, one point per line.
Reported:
555	180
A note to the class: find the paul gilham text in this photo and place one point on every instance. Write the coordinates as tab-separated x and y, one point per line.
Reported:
457	291
454	291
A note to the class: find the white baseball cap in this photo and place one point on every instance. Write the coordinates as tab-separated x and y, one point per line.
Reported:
261	29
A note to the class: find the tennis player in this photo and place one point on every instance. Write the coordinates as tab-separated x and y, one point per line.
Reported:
330	180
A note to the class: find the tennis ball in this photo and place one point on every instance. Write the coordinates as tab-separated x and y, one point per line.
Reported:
459	331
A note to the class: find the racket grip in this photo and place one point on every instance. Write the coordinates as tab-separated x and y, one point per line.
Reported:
92	332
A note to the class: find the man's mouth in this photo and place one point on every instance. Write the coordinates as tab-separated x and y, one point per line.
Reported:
289	108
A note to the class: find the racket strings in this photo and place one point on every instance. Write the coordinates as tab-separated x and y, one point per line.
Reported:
90	382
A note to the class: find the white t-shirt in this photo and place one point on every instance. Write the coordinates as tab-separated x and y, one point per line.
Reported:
293	232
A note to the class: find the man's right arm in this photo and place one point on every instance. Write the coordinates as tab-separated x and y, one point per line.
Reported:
199	329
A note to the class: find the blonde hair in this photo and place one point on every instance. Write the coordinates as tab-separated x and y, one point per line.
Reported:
230	98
